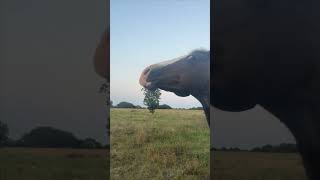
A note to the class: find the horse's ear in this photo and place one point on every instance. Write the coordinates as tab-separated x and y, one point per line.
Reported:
102	56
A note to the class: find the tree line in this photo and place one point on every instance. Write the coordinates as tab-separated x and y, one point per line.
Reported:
280	148
47	137
125	104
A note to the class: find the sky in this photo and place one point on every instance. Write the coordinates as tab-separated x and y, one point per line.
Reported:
46	66
145	32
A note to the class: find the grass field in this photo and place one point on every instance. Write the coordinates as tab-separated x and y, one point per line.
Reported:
169	144
257	166
52	164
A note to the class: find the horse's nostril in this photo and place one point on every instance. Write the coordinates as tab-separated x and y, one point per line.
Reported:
146	71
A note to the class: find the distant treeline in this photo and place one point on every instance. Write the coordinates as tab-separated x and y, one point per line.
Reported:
281	148
162	106
47	137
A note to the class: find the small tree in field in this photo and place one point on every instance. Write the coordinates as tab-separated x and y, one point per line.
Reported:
151	99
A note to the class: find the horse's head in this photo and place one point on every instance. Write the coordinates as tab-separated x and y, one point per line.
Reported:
102	56
184	76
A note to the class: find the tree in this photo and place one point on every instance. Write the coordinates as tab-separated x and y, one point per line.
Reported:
4	131
151	99
49	137
125	105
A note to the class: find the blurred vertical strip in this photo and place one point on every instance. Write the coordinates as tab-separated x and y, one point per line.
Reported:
107	66
108	82
211	78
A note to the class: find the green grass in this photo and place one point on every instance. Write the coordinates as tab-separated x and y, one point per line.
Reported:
169	144
52	164
257	166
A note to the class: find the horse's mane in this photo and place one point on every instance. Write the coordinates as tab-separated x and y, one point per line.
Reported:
200	54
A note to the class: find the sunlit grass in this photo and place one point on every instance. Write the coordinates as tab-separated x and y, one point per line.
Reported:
169	144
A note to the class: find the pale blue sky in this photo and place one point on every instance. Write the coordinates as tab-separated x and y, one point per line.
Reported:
144	32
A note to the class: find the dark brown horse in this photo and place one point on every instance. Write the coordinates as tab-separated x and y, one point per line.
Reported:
268	53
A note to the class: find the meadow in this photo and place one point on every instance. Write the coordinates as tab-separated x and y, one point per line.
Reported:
53	164
257	166
169	144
